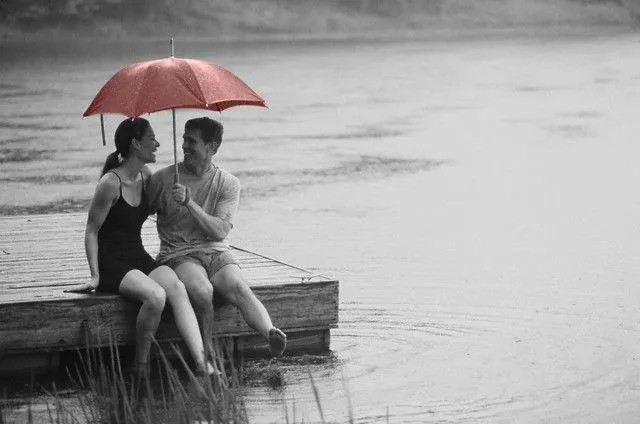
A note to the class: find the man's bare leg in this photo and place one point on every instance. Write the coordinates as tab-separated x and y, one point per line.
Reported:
183	313
200	292
230	282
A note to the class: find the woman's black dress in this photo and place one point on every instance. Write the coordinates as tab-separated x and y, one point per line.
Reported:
120	247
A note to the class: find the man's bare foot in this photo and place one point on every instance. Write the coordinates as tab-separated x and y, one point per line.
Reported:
277	341
212	370
209	370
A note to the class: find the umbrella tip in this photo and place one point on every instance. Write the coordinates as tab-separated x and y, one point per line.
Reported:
172	48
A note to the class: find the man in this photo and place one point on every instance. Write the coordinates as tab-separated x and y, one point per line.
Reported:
194	218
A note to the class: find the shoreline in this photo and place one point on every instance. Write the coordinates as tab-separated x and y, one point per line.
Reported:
442	32
66	205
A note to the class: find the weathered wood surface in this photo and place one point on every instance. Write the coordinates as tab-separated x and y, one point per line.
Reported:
42	255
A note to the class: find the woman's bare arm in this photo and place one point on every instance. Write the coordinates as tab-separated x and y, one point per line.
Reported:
107	193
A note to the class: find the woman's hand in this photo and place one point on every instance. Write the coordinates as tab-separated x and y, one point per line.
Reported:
86	287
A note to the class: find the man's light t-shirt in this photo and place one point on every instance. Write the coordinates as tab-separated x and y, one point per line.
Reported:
217	192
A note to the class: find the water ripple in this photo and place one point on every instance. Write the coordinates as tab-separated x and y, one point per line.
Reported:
25	155
45	179
31	126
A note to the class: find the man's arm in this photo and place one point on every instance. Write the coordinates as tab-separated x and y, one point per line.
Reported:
218	223
215	227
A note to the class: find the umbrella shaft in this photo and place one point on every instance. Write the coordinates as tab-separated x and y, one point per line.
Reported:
175	148
104	142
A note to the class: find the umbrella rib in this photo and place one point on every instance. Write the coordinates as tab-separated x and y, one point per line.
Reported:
140	88
257	101
197	80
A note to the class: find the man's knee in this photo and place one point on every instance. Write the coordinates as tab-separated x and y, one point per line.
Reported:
169	281
242	289
201	295
196	283
234	287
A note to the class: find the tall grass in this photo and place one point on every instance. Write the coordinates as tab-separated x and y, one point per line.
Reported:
107	391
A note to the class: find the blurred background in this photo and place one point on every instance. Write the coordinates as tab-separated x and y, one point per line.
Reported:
468	170
251	18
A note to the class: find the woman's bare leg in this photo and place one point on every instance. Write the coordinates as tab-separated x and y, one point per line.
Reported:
135	285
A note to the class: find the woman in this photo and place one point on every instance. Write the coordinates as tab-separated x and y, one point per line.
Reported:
113	244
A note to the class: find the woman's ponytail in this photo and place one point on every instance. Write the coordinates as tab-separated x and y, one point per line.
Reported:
111	162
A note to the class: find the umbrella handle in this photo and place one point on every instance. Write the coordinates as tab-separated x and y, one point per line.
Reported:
104	143
176	175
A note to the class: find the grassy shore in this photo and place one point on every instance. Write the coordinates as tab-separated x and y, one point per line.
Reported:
101	388
285	19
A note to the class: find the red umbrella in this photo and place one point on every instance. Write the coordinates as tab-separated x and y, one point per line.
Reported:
171	83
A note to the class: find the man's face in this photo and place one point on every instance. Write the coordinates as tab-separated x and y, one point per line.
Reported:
196	151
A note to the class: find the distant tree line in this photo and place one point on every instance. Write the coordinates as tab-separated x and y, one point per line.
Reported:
26	13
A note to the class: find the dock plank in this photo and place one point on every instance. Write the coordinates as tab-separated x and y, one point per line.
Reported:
42	255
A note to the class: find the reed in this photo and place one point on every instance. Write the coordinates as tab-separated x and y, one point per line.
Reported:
107	391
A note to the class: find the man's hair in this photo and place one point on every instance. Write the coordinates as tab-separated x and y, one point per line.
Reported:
210	129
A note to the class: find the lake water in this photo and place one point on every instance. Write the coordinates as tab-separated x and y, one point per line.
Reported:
477	199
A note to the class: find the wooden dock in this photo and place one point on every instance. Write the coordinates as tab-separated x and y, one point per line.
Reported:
42	255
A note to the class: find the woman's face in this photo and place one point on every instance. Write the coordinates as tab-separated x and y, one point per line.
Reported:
147	146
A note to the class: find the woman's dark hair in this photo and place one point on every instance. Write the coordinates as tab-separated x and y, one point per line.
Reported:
126	131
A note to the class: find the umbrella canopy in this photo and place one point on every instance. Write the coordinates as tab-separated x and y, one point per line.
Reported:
169	83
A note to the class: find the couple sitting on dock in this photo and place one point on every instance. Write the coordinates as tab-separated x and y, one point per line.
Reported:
194	217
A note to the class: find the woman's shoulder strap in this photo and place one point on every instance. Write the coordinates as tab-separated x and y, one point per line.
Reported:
119	179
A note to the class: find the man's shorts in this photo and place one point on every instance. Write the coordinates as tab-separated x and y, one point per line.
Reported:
211	262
